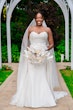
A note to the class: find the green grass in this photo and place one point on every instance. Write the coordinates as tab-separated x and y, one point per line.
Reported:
68	78
4	73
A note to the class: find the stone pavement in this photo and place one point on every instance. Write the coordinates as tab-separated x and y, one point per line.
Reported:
8	88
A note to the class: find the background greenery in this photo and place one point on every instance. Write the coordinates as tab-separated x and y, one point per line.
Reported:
4	73
21	17
68	77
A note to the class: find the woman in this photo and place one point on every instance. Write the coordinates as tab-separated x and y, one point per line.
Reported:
36	83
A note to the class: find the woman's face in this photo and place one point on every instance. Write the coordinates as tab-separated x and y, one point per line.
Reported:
39	19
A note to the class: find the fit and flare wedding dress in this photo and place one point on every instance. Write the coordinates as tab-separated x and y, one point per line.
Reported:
38	81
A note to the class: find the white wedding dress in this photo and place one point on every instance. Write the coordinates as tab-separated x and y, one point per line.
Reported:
37	86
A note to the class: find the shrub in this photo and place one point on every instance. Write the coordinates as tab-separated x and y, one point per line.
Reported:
15	53
60	49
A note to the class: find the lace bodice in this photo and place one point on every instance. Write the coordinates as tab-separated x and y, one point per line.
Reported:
38	40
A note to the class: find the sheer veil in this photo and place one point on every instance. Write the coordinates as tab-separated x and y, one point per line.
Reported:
23	65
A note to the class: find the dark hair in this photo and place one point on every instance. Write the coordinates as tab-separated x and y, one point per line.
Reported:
40	13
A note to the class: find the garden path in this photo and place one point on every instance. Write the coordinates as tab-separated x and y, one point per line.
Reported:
8	88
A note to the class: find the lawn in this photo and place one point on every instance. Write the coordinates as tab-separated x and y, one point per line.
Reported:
68	77
4	73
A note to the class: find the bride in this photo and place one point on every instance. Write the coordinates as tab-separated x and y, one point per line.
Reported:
37	82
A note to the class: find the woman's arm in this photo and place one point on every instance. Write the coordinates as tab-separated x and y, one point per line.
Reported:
50	39
29	30
28	36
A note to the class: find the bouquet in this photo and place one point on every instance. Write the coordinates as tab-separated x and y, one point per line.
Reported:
36	55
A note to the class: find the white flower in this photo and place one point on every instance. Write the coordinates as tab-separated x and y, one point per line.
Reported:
36	55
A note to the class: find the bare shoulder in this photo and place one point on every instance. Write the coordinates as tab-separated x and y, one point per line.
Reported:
31	28
48	29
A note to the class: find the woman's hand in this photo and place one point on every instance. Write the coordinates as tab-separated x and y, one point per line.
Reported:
50	46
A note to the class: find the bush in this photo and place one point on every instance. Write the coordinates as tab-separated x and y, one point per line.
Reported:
6	67
60	49
57	56
4	38
15	53
4	54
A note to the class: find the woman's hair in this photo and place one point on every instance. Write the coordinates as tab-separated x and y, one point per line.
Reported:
41	12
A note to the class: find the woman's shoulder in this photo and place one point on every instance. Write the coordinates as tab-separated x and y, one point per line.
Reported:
31	28
47	28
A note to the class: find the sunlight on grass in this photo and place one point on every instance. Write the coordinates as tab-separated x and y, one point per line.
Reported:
68	77
4	73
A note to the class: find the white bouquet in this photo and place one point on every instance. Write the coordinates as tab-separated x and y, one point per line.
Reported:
36	55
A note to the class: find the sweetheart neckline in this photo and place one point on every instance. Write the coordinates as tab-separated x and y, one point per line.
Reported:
39	33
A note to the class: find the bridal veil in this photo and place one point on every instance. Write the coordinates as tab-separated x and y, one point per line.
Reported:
23	67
